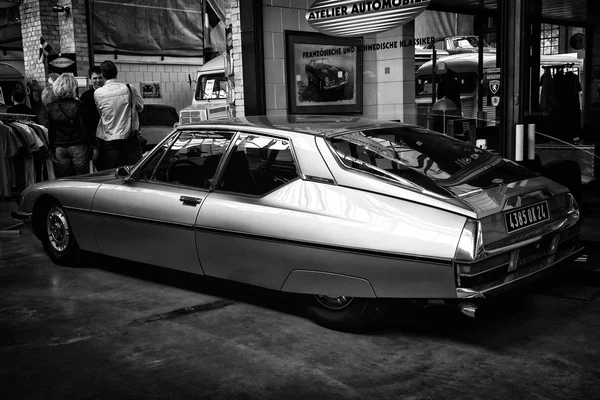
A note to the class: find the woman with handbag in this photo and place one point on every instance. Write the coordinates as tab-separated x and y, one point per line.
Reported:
71	146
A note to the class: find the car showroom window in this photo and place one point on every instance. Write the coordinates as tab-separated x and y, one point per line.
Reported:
258	164
191	159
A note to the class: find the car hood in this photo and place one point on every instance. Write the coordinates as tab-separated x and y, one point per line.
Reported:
96	177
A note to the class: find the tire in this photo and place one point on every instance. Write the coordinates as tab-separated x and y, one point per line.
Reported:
58	238
348	314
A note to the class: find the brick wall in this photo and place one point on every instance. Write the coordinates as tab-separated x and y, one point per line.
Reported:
37	21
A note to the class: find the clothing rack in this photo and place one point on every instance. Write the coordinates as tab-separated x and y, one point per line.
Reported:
568	67
16	117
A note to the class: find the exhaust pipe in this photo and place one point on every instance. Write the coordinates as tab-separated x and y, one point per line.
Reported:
468	309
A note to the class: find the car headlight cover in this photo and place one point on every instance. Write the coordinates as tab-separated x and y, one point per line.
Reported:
471	241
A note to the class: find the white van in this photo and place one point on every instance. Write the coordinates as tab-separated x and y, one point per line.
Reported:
210	98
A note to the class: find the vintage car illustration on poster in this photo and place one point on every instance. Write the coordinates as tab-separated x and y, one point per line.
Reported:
326	76
347	213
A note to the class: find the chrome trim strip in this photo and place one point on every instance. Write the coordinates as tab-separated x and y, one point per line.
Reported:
398	256
77	209
511	247
466	293
145	220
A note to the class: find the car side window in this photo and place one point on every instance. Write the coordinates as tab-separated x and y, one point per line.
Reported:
258	164
190	159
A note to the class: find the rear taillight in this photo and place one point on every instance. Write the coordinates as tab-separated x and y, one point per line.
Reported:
470	244
572	207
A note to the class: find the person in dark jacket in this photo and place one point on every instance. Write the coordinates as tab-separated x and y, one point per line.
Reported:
71	146
19	103
89	111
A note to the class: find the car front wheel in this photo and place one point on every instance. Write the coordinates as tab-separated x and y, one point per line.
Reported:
341	313
58	239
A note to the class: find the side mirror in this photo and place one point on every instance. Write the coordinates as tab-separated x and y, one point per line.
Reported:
123	172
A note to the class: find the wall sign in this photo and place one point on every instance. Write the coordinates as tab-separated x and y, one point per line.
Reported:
357	18
492	77
61	63
150	90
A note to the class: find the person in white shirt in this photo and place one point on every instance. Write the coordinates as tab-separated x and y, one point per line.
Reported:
114	100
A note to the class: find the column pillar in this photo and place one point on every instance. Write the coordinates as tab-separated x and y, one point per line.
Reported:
512	59
37	21
65	32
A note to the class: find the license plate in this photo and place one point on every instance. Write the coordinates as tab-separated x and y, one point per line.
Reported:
526	216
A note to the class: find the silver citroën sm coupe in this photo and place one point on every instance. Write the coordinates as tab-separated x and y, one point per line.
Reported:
345	210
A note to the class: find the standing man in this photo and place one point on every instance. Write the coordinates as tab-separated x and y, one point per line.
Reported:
19	103
118	146
89	112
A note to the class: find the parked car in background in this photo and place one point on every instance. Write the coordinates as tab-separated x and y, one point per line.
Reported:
156	122
423	55
460	44
324	75
343	210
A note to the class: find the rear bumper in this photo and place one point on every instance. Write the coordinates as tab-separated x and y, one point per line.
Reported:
523	276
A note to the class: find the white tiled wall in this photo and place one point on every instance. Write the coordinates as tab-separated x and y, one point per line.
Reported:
279	16
388	77
173	79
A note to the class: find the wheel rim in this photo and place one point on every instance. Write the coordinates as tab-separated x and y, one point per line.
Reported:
57	229
334	303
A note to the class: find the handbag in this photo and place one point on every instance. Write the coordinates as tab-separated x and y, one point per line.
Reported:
135	135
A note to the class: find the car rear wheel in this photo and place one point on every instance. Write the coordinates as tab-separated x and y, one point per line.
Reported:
341	313
57	237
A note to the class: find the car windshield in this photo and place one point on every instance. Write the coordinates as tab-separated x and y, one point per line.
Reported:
421	158
469	42
212	87
322	62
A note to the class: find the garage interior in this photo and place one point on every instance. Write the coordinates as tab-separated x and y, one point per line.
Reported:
120	330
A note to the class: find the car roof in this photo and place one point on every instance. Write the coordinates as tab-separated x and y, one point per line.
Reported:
315	125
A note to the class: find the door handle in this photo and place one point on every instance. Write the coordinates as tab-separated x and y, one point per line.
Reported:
189	200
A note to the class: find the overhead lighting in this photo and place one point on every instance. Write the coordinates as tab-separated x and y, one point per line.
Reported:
59	9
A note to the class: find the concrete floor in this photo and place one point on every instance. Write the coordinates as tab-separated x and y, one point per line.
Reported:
122	330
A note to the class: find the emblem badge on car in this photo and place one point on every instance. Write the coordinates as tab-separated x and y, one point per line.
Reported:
497	181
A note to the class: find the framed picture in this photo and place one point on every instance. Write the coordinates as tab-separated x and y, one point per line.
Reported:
324	74
150	90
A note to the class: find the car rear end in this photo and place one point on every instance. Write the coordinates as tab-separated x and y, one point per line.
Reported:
531	233
518	224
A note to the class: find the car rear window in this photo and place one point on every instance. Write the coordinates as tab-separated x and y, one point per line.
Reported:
158	114
417	156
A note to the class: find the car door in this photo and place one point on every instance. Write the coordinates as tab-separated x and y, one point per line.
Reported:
149	217
237	221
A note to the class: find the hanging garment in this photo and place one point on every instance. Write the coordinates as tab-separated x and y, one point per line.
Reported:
548	93
9	149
